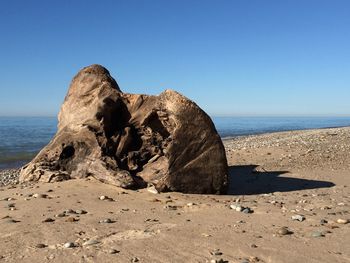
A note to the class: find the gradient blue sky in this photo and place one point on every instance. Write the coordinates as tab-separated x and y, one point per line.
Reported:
234	57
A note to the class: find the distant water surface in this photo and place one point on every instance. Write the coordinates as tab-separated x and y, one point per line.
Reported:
21	138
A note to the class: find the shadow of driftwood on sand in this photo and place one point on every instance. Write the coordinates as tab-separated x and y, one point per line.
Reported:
245	180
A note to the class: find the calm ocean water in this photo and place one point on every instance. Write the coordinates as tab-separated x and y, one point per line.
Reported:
21	138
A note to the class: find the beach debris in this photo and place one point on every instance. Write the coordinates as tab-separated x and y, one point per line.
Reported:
131	140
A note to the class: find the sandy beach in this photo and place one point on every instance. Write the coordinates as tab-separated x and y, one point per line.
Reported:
288	202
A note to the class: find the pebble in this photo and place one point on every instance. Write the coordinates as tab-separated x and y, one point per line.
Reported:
284	231
48	220
113	251
11	205
152	190
80	212
60	215
91	242
9	177
216	252
247	210
323	221
40	245
240	208
12	221
103	197
342	221
69	245
135	259
40	195
317	234
299	218
106	221
71	219
218	261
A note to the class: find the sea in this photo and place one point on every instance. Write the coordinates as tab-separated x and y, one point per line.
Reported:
21	138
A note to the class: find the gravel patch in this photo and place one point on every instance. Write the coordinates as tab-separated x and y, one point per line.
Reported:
9	177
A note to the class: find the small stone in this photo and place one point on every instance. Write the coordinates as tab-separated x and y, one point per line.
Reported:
323	221
218	261
40	245
12	221
239	208
253	246
113	251
284	231
170	207
135	259
69	245
103	197
60	215
299	218
342	221
317	234
80	212
216	252
40	195
106	221
69	211
48	220
71	219
152	190
247	210
91	242
11	205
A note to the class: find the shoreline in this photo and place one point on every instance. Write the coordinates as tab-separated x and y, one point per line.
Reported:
13	166
282	131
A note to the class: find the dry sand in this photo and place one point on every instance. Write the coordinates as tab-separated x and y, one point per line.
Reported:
277	176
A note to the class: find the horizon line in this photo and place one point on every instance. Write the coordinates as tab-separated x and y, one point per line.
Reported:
211	115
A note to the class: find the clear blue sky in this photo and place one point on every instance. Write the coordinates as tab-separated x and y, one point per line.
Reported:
233	57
